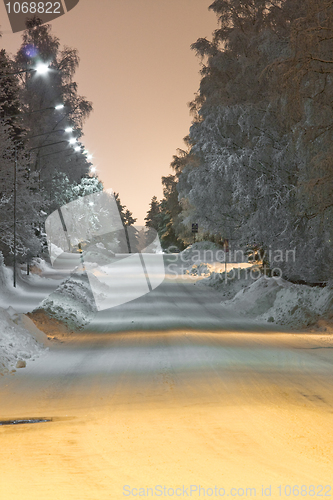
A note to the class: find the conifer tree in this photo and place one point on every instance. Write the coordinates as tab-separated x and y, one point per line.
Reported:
153	213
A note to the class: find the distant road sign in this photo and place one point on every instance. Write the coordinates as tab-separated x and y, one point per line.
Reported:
195	228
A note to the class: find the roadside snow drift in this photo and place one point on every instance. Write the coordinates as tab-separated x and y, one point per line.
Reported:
297	306
274	300
72	302
16	344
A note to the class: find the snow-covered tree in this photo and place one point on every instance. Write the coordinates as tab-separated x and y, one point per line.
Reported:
39	96
64	191
251	156
9	97
17	192
125	214
153	213
48	172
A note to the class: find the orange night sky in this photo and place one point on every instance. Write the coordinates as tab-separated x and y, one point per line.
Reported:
139	72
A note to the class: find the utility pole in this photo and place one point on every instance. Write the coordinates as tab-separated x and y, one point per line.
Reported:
195	229
226	250
15	175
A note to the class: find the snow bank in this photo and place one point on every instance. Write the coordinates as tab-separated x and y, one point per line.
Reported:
299	306
274	300
5	276
72	302
39	266
257	298
16	344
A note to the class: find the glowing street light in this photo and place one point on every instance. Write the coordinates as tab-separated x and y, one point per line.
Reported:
57	107
77	149
42	69
57	131
72	140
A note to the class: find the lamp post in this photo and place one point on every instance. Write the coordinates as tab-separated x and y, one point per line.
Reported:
57	108
40	69
52	144
58	130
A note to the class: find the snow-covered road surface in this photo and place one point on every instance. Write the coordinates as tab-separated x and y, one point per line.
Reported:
169	408
177	303
183	396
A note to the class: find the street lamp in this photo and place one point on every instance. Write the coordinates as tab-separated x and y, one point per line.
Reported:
58	107
53	144
61	130
41	69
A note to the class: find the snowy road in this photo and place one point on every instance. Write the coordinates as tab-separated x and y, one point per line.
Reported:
182	397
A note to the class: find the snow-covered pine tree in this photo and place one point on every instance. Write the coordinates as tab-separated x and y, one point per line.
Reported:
153	213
